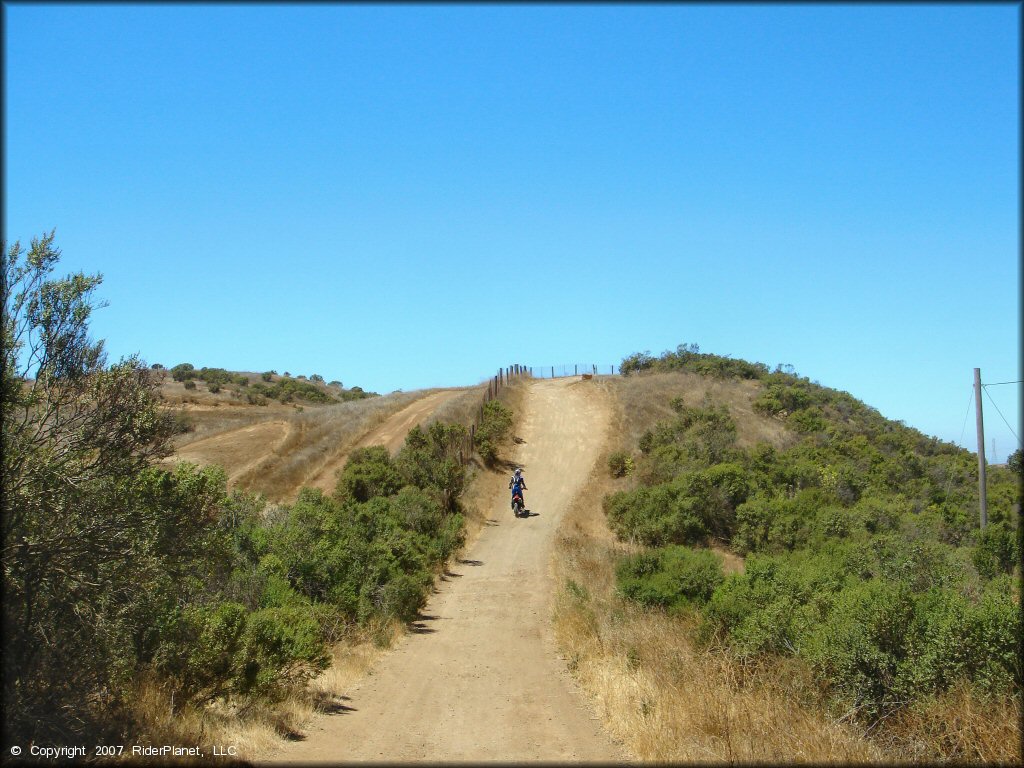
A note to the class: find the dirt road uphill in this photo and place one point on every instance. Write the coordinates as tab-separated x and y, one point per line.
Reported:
479	678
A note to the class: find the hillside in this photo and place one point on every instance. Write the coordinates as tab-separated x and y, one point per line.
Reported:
274	434
789	573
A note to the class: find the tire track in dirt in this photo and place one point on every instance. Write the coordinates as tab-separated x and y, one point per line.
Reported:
478	679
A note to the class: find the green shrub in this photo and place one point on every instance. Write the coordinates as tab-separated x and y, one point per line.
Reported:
280	648
997	550
863	554
671	577
430	459
182	371
368	472
492	430
620	464
198	650
189	384
858	648
688	357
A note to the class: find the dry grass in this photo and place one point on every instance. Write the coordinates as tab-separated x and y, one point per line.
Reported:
958	726
461	409
660	695
666	699
250	733
643	400
258	731
315	434
318	435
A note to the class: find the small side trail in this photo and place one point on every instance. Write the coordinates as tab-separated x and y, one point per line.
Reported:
479	678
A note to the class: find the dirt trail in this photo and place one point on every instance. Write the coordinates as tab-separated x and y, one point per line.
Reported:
479	678
237	450
391	434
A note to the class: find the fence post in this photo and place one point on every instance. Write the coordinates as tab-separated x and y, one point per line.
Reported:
552	371
575	369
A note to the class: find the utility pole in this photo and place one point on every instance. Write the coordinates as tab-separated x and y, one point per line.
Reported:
981	447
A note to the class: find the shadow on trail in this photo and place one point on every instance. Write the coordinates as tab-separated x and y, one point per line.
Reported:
460	561
337	708
420	627
491	522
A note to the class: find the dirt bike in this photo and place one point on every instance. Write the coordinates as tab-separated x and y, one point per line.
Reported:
517	505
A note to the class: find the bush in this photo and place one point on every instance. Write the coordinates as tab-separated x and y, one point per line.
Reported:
189	384
860	645
369	472
492	430
997	551
671	577
182	371
685	510
620	464
430	459
688	357
280	648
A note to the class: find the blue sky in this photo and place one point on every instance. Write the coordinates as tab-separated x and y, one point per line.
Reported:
412	196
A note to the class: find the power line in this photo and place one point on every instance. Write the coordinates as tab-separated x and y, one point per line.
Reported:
959	442
1003	417
997	383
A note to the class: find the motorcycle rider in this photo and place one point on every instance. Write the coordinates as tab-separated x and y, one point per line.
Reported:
518	484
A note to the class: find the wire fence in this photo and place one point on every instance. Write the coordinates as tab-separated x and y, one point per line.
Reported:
571	369
505	376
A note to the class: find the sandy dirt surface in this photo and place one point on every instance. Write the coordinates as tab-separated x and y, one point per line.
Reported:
391	434
479	678
237	450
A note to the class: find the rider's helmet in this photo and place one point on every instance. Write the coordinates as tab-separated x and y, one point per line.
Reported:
518	471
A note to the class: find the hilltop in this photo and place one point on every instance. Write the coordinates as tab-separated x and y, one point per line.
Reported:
186	384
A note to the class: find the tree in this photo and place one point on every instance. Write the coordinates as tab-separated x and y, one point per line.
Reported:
1014	462
77	541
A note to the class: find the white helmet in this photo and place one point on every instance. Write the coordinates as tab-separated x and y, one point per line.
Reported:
518	471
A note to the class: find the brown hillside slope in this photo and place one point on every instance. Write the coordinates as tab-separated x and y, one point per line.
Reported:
390	433
277	449
666	699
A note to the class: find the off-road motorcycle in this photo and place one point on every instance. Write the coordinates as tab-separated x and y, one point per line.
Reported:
517	505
